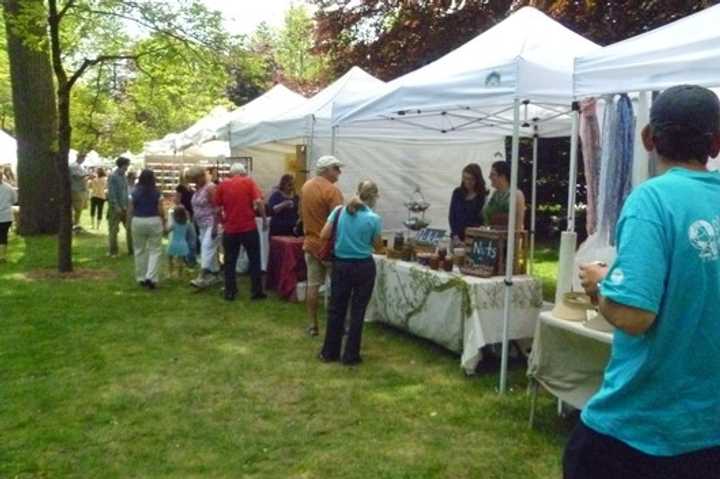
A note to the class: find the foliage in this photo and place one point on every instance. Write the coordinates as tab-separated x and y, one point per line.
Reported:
299	66
389	38
250	68
7	120
123	382
610	22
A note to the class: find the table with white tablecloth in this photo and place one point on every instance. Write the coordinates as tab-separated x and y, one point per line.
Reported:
462	313
568	359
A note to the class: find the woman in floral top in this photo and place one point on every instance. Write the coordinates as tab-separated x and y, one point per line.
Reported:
206	216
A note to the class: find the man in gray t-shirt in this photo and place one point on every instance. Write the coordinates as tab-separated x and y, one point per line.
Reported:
78	188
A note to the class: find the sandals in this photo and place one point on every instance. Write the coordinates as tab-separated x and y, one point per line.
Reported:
312	331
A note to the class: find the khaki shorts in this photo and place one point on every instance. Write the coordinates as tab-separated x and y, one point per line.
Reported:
79	200
316	270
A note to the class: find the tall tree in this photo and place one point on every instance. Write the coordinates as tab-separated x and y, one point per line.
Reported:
389	38
188	24
75	26
611	22
300	67
7	118
35	115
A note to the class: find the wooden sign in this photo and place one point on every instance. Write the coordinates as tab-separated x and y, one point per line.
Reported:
485	252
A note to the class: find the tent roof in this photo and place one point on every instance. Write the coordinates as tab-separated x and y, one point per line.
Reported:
274	102
685	51
296	123
528	56
203	128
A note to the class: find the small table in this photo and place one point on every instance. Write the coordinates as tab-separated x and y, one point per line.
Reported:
461	313
286	265
568	359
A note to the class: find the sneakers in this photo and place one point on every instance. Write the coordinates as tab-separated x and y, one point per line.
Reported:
206	279
258	297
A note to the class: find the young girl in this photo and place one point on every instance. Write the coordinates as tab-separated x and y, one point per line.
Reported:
178	248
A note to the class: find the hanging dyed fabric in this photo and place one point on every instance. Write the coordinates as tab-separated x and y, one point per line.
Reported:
608	138
590	140
618	181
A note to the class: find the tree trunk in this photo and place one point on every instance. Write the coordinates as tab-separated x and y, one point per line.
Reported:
35	124
65	231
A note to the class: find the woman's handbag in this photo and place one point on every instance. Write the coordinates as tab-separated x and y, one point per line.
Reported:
327	252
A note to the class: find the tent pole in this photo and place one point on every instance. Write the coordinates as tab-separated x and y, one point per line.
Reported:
332	140
510	253
572	181
309	146
533	212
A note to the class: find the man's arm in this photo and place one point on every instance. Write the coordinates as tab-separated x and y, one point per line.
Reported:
631	320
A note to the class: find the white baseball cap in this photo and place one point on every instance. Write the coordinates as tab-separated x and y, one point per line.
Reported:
238	169
327	161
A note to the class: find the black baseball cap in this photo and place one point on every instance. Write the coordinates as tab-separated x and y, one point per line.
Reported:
692	108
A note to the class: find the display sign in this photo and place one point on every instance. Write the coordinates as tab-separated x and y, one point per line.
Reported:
429	236
483	252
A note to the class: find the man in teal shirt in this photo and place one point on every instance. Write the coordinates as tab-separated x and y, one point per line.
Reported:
657	413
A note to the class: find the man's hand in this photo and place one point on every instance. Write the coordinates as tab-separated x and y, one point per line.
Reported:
590	275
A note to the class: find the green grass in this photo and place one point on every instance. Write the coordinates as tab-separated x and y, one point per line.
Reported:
545	267
99	378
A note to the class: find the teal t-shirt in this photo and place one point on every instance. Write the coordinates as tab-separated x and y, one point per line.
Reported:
356	233
661	390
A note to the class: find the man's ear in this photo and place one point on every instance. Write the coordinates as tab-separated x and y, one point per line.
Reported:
647	139
715	145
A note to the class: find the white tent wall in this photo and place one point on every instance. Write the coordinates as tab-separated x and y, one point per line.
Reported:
268	163
398	167
8	151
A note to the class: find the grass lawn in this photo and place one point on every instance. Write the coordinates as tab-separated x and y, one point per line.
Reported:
545	267
99	378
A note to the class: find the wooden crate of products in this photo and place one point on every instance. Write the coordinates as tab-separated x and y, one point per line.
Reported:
485	252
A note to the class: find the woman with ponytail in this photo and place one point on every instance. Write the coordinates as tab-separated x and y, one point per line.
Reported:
357	230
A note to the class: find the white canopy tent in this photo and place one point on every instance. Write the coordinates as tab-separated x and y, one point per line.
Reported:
685	51
484	85
8	151
276	101
398	163
273	141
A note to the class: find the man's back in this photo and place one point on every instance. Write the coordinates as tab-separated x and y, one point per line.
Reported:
78	178
117	190
237	196
660	393
319	197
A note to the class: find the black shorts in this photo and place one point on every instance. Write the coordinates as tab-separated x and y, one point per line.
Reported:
591	455
4	228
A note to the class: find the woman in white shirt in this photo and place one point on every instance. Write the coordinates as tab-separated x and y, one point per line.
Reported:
8	197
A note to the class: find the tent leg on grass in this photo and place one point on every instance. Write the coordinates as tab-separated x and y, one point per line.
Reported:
510	253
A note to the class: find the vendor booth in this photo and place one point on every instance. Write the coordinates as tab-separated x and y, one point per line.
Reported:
570	352
514	79
8	155
289	142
